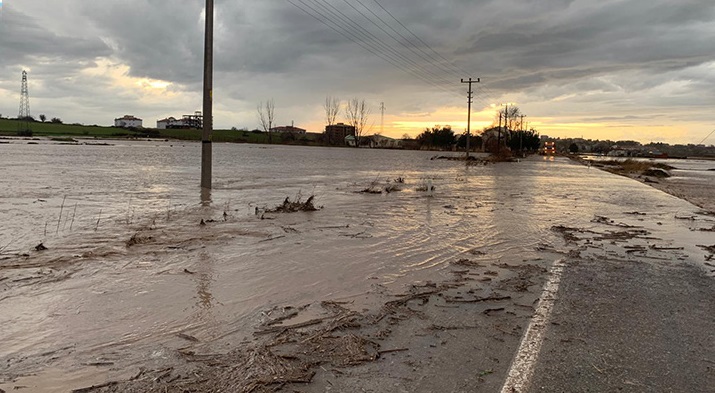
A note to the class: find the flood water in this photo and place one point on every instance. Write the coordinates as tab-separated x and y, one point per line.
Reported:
96	306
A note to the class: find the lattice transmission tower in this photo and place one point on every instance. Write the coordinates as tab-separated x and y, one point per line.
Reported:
23	116
382	118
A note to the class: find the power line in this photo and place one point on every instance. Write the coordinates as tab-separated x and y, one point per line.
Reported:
704	139
423	65
423	56
458	70
347	35
396	55
375	43
368	46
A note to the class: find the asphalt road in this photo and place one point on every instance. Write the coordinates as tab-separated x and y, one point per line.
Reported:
630	326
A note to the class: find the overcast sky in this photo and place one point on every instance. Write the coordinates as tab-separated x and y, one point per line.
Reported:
617	69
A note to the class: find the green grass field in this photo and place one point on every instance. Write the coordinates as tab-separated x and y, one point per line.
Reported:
11	127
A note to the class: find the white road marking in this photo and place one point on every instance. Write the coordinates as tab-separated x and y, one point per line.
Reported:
522	367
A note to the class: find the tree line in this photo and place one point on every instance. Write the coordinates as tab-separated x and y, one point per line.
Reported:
508	131
357	114
43	118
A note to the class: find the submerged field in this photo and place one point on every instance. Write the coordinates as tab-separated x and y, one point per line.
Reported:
48	129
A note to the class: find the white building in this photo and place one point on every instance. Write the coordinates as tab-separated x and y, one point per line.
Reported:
128	121
384	142
186	122
288	130
169	122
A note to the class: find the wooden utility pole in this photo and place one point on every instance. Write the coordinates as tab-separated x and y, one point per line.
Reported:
506	123
506	119
521	134
206	151
469	112
499	132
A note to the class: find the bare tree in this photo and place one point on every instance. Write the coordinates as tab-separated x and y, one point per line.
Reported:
43	118
510	116
266	116
358	114
332	108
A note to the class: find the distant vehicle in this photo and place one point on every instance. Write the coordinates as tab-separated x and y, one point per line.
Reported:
549	149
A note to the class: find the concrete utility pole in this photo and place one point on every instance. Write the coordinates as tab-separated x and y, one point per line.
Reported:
206	151
469	113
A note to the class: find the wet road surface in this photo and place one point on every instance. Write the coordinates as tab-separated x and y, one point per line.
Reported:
97	305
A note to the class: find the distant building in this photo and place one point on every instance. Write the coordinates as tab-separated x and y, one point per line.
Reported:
128	121
335	133
491	138
350	140
383	142
186	122
169	122
288	130
618	151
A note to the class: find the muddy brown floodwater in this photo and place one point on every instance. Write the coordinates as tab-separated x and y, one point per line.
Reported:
409	289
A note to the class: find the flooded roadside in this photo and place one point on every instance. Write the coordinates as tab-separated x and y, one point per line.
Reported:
149	282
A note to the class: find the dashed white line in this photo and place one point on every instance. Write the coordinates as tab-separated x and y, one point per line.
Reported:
522	367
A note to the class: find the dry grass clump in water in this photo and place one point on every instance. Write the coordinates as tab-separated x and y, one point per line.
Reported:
710	249
262	370
655	173
296	205
376	187
630	166
289	350
503	155
466	263
371	190
138	239
424	188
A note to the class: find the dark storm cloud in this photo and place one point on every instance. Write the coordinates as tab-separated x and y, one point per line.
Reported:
160	39
23	38
594	39
621	53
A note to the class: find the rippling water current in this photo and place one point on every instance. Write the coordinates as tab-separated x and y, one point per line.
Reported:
95	297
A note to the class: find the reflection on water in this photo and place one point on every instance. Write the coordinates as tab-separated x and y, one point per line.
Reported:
204	278
204	325
205	196
150	271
